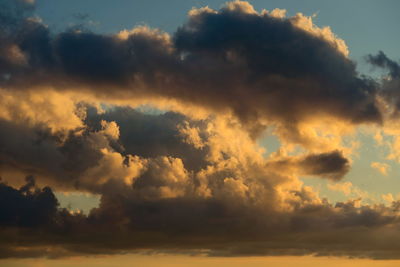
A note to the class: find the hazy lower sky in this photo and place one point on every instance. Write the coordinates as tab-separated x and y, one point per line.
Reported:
249	132
183	261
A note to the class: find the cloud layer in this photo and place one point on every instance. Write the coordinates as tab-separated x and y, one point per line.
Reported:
259	66
190	178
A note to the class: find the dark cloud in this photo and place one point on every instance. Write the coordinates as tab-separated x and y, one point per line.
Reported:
27	207
169	182
382	61
256	65
28	148
390	85
332	165
126	223
36	150
272	59
12	15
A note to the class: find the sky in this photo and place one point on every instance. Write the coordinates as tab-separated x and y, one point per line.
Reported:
186	133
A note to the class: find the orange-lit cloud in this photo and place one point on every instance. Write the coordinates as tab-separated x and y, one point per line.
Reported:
191	178
383	168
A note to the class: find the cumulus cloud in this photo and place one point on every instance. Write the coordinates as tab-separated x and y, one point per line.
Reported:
238	203
191	177
213	60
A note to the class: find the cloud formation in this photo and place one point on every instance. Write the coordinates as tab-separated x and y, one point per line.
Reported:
215	59
192	178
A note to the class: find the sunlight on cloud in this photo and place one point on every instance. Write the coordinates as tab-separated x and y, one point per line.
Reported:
222	139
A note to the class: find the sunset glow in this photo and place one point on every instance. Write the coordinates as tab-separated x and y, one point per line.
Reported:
193	133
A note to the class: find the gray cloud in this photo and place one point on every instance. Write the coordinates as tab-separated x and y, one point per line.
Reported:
150	136
168	181
382	61
126	223
248	63
332	165
26	207
390	86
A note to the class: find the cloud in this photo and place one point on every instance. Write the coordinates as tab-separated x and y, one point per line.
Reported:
381	60
214	59
153	195
148	135
331	165
383	168
44	108
269	64
180	224
193	177
388	197
391	83
239	203
345	187
26	207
